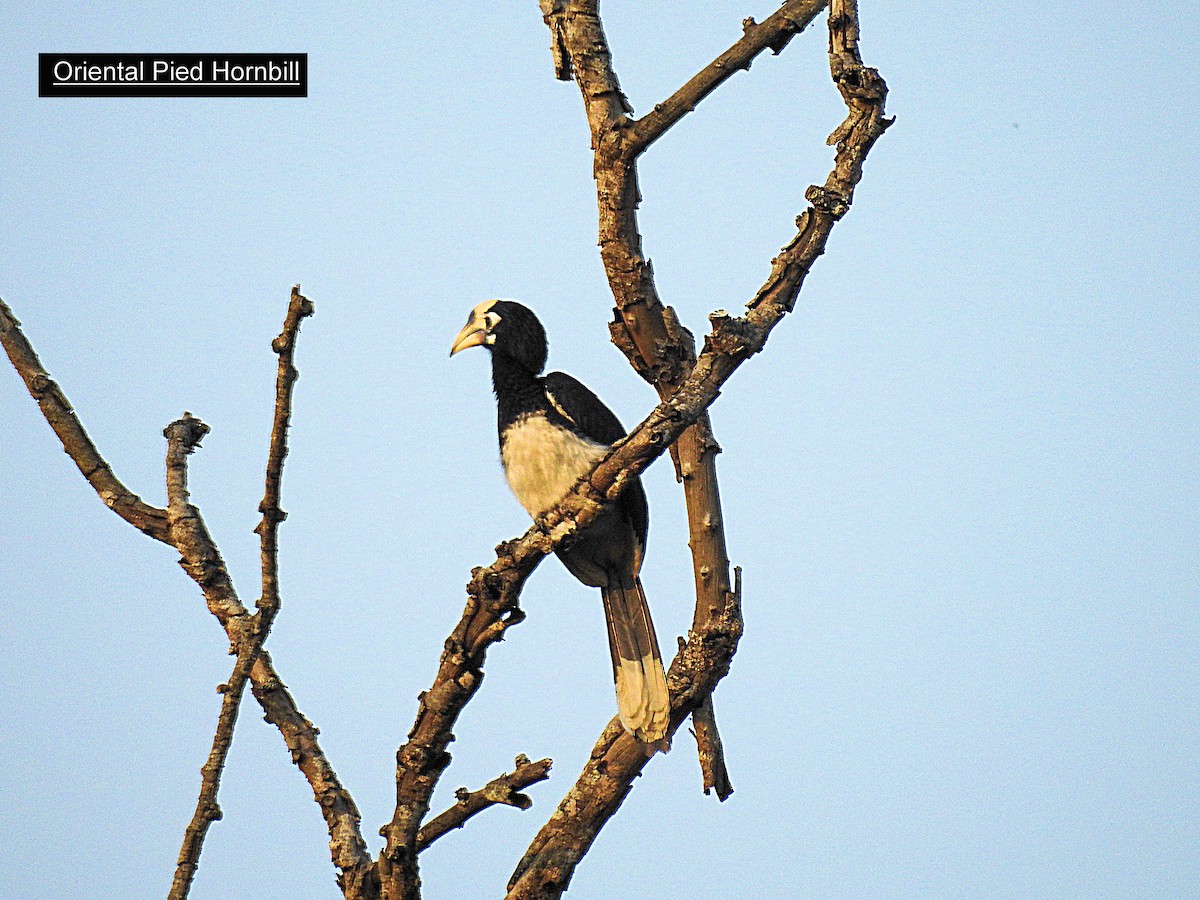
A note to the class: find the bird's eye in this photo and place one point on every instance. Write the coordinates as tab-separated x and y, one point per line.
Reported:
492	319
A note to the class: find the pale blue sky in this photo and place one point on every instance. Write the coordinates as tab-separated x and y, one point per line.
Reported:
962	480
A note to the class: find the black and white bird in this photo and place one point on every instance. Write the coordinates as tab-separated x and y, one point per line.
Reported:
552	431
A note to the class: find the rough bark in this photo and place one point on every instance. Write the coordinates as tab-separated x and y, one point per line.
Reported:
547	867
62	419
504	790
246	632
650	335
183	528
207	808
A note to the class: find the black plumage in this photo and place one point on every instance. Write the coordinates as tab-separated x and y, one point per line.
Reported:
552	430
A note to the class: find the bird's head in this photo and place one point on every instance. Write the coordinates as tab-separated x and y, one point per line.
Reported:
505	327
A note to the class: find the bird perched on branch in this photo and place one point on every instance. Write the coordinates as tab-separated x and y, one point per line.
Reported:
553	430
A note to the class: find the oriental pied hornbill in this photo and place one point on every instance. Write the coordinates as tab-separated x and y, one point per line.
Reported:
552	431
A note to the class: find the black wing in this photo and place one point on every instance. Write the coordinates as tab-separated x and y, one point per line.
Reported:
575	401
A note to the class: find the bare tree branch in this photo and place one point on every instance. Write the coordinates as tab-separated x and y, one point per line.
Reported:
61	417
503	790
656	344
203	563
357	879
490	611
186	532
299	308
189	535
779	28
616	760
548	865
207	808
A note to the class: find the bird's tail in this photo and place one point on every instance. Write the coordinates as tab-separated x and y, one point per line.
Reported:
642	699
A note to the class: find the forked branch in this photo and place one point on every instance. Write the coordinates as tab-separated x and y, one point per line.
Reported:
657	346
548	865
183	528
207	809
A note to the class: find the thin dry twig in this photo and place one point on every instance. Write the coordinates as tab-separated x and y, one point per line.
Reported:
299	308
774	33
207	809
506	790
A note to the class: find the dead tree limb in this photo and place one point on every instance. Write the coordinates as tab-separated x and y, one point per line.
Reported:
505	790
650	335
186	532
62	419
207	808
548	865
779	28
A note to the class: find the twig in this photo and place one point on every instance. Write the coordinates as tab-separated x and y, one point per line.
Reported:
550	862
774	33
61	417
299	308
503	790
201	560
207	808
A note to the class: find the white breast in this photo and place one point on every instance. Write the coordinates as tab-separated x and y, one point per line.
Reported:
543	462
